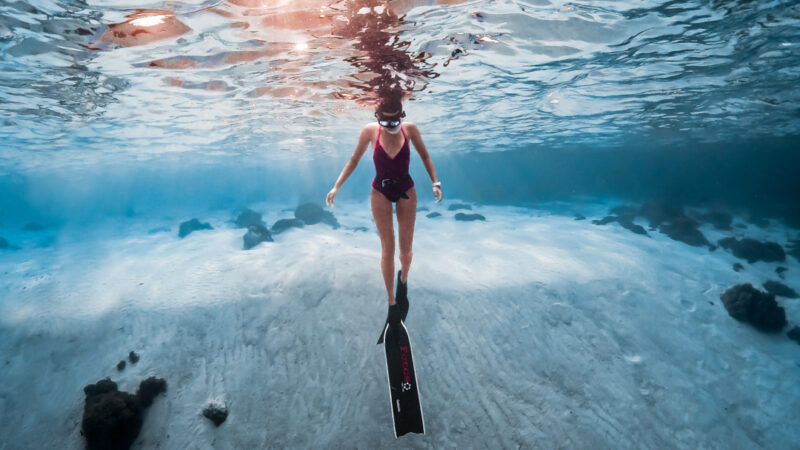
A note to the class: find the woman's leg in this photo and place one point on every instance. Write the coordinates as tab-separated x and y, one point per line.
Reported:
382	214
406	216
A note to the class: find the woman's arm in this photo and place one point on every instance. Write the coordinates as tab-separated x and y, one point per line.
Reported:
363	141
416	139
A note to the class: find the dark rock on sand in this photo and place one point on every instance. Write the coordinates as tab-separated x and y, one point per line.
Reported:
605	220
121	365
360	229
284	224
580	217
33	226
720	220
760	222
794	334
658	213
456	206
737	266
158	230
5	245
780	289
113	419
433	214
133	357
794	249
255	235
192	225
663	216
626	221
249	217
684	229
753	250
312	213
780	271
469	217
747	304
216	412
422	208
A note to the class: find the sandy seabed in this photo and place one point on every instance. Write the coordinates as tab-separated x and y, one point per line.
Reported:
530	329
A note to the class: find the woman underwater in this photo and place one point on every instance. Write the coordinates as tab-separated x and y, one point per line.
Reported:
392	184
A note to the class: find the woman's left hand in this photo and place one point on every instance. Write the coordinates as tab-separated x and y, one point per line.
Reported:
329	198
437	192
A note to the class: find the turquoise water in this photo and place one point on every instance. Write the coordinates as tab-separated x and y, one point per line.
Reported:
272	96
609	148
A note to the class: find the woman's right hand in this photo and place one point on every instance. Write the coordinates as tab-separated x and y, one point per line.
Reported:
329	198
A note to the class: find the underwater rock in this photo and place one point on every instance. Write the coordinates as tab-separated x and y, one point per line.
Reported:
133	357
360	229
284	224
33	226
121	365
753	250
760	222
794	248
113	419
720	220
255	235
780	289
658	213
469	217
625	221
684	229
737	266
580	217
794	334
249	217
217	412
432	215
192	225
422	208
747	304
4	244
456	206
158	230
664	216
312	213
605	220
780	271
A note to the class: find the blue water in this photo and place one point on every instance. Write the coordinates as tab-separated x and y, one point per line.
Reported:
275	95
120	120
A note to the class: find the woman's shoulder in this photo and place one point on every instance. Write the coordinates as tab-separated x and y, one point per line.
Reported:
410	127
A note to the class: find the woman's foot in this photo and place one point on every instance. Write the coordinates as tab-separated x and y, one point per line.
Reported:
401	296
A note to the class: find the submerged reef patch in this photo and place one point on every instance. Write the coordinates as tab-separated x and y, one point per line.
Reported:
753	250
284	224
216	412
248	217
192	225
667	218
747	304
113	419
255	235
312	213
779	289
457	206
469	217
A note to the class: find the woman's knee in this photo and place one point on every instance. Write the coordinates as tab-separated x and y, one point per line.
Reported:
405	256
